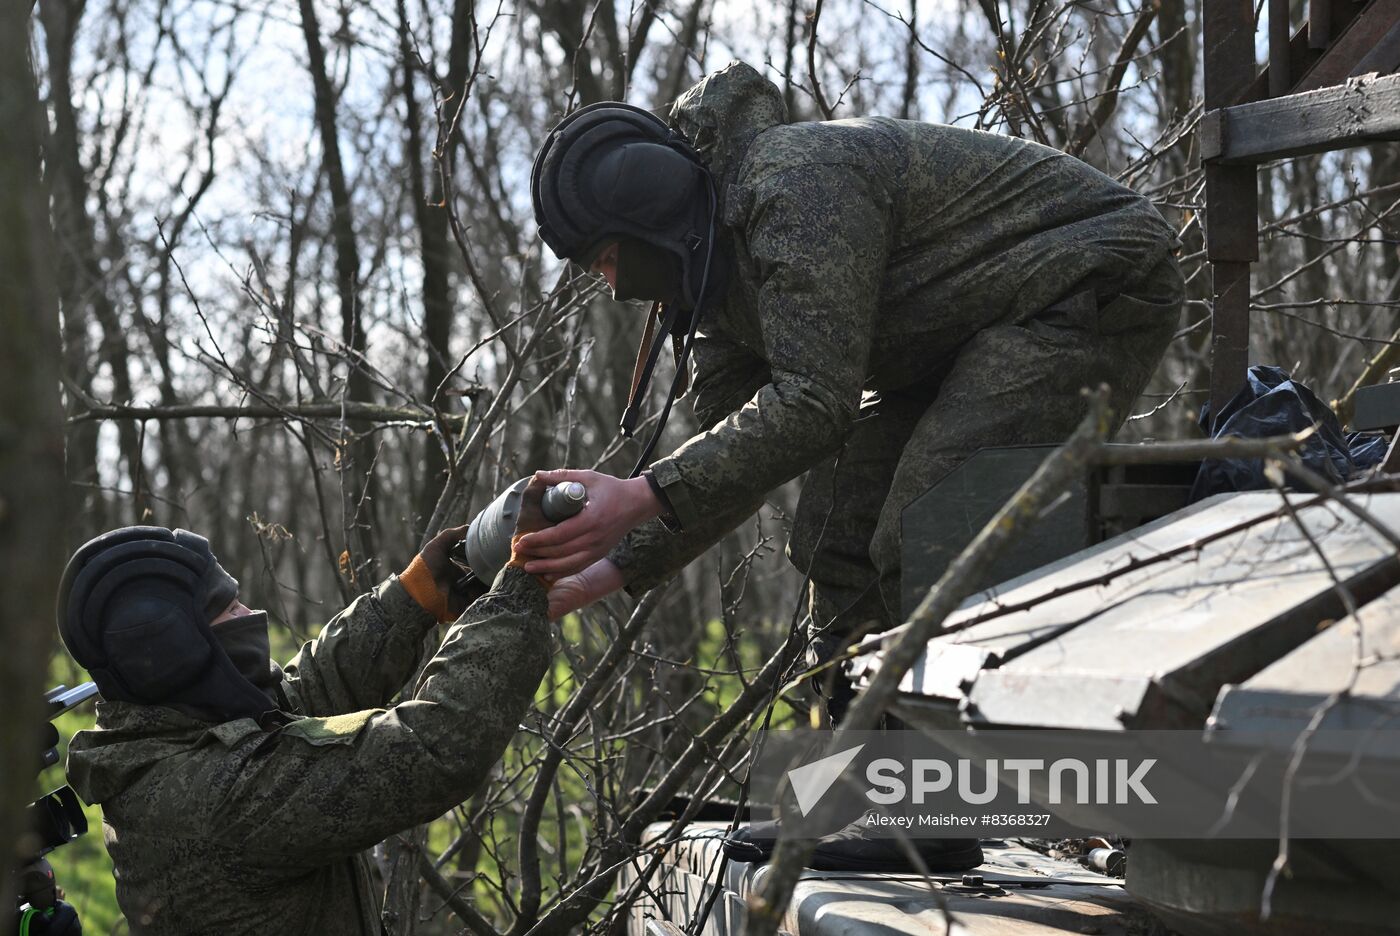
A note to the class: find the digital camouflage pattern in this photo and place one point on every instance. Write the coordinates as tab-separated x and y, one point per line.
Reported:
974	282
230	829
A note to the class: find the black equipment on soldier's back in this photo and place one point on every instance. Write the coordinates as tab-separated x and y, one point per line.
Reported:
54	819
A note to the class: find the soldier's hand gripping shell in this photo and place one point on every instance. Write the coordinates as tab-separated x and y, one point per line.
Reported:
432	578
530	519
445	574
615	507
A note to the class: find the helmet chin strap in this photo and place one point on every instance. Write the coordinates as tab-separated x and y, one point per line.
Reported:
641	377
647	355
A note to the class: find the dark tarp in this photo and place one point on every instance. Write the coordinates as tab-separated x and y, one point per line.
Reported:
1273	404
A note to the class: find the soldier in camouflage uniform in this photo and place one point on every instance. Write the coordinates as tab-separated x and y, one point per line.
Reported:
239	797
887	297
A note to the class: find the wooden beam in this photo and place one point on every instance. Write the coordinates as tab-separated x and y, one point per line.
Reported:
1231	222
1383	58
1319	26
1327	18
1229	324
1362	35
1231	209
1280	74
1232	214
1364	110
1306	46
1228	33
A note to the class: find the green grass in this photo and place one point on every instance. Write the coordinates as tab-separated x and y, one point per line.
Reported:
82	868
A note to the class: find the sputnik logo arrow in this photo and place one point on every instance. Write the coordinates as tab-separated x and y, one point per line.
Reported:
811	781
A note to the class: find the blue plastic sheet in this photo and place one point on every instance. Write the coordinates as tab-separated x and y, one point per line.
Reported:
1273	404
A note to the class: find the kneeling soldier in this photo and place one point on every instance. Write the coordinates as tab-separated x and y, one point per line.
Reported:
239	797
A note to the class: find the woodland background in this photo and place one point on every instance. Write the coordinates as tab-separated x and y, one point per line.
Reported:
271	274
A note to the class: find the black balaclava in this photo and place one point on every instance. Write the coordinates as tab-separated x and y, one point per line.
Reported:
645	271
134	609
244	639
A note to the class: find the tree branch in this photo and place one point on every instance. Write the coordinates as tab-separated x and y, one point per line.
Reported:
1108	97
1384	359
817	95
350	409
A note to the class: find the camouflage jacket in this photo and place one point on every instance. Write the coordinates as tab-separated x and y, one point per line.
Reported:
230	829
863	253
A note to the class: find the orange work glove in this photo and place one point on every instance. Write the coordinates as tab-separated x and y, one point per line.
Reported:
431	574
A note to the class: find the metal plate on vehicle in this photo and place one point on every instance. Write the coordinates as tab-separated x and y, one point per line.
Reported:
1145	633
1359	654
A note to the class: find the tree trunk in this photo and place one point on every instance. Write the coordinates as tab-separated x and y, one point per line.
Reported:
81	280
909	102
1178	57
31	435
432	232
358	480
1385	170
790	60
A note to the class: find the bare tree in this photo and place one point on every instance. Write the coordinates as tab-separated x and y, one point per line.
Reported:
31	438
311	318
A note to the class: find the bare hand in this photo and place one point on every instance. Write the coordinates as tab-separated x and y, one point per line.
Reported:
594	583
614	507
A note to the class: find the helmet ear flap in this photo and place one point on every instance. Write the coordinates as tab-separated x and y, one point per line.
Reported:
145	594
90	553
573	214
161	654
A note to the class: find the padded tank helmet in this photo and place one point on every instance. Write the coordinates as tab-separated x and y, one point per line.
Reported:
612	171
134	609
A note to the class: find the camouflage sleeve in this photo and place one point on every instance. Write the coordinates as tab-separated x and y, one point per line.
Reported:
323	788
363	657
819	238
726	376
651	554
